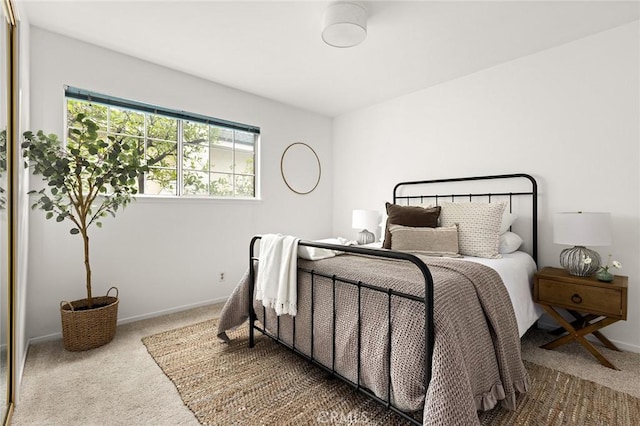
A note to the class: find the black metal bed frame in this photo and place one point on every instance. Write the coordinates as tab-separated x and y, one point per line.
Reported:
436	197
384	254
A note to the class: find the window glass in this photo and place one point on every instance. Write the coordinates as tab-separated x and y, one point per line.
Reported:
125	122
185	156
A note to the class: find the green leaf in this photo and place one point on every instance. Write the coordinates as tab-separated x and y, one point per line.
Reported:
109	167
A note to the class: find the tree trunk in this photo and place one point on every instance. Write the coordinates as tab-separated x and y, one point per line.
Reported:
87	267
141	183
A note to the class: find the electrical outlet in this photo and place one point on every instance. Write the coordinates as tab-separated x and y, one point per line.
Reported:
221	276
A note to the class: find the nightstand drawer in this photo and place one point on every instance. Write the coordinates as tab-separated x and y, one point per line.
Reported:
597	300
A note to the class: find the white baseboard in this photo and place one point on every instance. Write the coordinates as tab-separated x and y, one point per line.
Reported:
547	323
170	311
134	318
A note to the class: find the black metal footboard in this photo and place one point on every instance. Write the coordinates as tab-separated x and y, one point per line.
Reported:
427	300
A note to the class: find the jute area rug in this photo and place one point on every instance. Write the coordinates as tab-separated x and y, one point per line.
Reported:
230	384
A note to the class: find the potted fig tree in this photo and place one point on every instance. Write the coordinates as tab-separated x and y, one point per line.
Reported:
89	178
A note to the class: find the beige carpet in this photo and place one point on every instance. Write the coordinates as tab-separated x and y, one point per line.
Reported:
116	384
120	384
574	359
232	384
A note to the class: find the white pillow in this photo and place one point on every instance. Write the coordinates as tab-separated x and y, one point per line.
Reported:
507	220
509	242
478	226
316	253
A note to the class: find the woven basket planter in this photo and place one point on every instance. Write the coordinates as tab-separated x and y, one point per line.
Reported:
84	329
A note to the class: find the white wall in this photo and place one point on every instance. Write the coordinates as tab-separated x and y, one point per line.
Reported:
164	253
568	115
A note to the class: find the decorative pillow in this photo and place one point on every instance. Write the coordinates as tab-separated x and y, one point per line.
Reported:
409	216
478	227
509	242
317	253
442	241
507	220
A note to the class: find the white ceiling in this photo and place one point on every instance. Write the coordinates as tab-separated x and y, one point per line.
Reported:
274	49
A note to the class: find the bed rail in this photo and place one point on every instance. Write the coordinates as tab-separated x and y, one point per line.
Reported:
383	254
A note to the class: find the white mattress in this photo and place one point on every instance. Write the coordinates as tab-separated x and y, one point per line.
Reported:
516	270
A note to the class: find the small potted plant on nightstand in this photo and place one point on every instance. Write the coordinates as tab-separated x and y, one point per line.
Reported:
603	274
87	179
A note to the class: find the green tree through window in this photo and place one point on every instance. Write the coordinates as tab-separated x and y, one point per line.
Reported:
184	157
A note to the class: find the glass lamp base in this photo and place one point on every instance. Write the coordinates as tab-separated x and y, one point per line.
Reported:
572	259
366	237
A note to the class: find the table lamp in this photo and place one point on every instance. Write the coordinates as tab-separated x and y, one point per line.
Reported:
365	220
581	229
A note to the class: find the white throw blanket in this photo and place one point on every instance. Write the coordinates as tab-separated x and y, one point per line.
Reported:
277	278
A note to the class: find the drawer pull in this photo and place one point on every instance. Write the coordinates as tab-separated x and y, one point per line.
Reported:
576	299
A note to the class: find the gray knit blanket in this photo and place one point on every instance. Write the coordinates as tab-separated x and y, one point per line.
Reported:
476	359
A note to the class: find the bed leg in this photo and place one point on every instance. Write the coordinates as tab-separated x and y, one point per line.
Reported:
252	312
251	332
252	284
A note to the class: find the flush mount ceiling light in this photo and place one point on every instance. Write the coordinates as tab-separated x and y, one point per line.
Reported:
344	25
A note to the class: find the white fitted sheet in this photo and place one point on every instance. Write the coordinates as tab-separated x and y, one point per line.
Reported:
516	270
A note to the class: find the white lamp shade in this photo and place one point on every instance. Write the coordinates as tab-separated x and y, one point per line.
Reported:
582	229
344	25
365	219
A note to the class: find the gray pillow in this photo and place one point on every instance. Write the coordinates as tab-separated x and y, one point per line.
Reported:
441	241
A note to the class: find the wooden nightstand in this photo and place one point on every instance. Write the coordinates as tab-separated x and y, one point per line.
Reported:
555	288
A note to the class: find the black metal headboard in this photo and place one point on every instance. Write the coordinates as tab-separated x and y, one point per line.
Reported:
501	193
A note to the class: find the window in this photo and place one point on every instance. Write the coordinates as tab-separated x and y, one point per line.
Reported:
187	154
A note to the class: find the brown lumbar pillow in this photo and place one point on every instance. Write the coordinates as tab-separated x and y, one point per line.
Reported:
418	217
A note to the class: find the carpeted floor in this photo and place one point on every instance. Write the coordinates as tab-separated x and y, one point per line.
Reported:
117	384
120	384
232	384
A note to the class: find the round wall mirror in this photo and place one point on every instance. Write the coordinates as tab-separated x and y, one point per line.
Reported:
300	168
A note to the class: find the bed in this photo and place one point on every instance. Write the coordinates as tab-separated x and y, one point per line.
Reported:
433	338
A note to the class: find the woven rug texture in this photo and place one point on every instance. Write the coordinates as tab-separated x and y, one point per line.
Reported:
225	384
